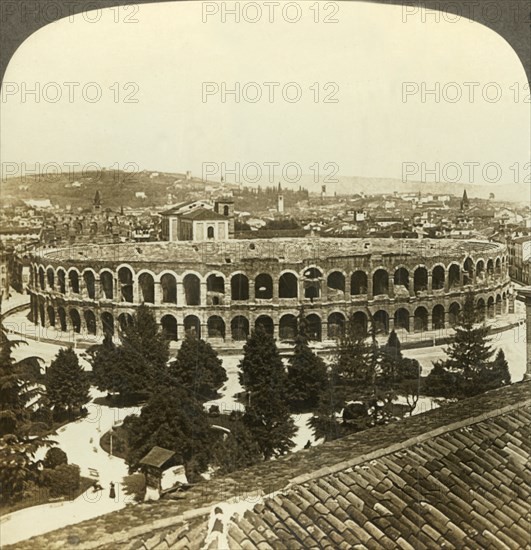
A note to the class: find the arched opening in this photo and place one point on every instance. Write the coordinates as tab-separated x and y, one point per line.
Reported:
498	305
314	327
381	322
192	290
125	320
454	276
73	281
225	210
380	282
468	272
336	325
42	314
498	266
239	328
263	287
210	232
358	283
421	319
147	288
401	278
106	283
239	287
336	285
42	282
480	269
437	316
107	322
61	280
76	320
216	327
192	326
437	278
287	328
215	290
169	326
125	280
288	286
490	308
50	277
312	283
266	323
490	268
90	322
61	313
420	280
360	322
453	314
51	316
481	310
402	319
168	284
90	284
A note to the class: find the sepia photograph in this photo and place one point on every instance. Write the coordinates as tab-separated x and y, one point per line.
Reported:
265	275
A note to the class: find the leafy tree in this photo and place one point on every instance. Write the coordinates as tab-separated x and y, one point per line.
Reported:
138	365
325	421
67	385
176	421
307	373
263	375
54	457
63	480
238	450
198	368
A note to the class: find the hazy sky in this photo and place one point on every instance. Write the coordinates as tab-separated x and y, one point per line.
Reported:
169	53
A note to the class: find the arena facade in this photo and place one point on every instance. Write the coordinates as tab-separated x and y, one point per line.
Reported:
222	289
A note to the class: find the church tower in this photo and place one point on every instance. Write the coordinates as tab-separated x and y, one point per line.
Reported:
96	205
280	200
465	203
225	207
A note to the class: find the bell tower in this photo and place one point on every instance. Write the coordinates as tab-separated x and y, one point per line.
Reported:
225	207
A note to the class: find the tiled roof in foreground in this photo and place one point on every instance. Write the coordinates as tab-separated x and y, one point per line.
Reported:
455	477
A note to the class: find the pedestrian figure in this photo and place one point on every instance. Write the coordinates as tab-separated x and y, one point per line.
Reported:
112	493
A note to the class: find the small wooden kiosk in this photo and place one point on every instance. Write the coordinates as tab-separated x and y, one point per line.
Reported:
152	466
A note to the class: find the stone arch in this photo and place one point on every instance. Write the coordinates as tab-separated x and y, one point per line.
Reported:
401	319
192	325
454	313
51	316
490	267
76	320
215	289
438	317
216	327
210	232
358	283
380	282
239	328
107	285
335	283
420	319
336	325
437	277
267	324
168	283
239	287
480	269
360	321
481	310
497	266
263	286
90	321
89	280
107	323
125	320
420	279
288	327
491	311
468	271
61	313
381	321
73	281
125	282
499	304
401	277
311	281
146	282
454	276
288	285
314	327
168	324
192	289
50	277
42	280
